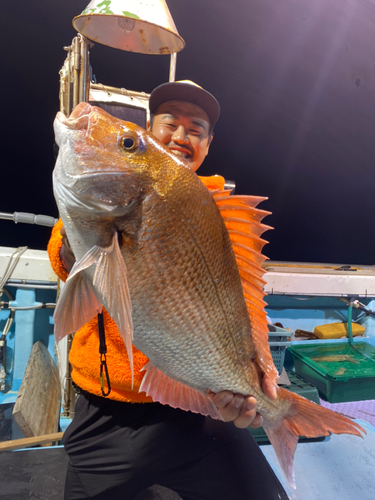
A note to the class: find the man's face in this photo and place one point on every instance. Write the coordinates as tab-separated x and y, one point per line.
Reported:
184	128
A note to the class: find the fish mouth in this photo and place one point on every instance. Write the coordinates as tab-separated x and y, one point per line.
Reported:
78	118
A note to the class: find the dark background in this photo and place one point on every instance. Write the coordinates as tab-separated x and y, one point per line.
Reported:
296	83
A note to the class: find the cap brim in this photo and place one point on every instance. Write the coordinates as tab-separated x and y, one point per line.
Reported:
179	91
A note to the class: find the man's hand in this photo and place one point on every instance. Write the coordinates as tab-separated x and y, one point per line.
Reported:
66	253
240	410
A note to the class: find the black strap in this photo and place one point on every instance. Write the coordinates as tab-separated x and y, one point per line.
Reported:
103	359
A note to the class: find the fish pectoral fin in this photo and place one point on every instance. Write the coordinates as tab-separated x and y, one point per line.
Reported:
90	258
77	304
168	391
110	279
304	418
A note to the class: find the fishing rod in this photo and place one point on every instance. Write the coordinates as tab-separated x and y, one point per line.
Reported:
358	305
24	217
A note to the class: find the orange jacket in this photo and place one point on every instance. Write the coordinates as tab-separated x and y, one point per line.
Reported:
84	354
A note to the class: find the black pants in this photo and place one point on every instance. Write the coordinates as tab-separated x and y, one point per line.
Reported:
118	449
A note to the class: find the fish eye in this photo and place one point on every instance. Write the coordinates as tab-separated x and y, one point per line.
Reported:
128	143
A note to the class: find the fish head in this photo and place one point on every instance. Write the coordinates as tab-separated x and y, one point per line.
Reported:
107	160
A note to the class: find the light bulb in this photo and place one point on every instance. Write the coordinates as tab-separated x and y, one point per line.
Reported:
126	24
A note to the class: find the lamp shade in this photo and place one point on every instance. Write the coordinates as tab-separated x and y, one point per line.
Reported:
140	26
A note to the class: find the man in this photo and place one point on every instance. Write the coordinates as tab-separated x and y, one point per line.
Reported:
124	443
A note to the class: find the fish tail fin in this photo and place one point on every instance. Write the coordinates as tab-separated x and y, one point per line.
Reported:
304	418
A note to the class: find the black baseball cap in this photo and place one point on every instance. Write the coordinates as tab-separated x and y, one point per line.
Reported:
185	90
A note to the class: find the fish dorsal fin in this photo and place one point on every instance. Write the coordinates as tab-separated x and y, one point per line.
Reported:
249	240
246	226
219	193
243	222
260	304
250	277
168	391
251	267
239	207
244	251
226	199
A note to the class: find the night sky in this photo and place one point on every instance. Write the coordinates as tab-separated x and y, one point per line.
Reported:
296	84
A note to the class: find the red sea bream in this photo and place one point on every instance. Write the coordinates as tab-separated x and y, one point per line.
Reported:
178	269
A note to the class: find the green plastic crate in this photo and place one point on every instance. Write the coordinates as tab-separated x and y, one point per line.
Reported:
340	371
277	334
278	353
301	387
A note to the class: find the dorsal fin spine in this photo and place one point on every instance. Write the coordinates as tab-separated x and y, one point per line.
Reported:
243	222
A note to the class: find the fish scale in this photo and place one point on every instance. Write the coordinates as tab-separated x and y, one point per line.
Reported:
186	285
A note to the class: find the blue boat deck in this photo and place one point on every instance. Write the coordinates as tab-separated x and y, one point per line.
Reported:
338	468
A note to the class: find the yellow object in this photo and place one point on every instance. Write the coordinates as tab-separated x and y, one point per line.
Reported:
337	330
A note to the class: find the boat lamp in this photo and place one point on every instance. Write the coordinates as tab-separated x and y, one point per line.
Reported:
144	27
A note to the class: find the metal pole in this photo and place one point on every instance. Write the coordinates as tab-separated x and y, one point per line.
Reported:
84	85
72	394
172	67
76	64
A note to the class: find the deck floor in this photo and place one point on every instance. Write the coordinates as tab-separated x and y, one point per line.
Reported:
358	409
338	468
40	473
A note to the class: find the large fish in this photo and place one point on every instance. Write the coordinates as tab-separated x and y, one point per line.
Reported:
177	268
